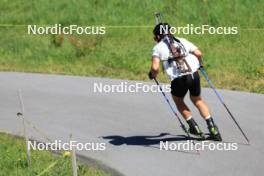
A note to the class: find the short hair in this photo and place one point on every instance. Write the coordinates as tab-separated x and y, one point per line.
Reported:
157	29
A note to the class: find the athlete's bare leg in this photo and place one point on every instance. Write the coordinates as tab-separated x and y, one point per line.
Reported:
201	106
182	107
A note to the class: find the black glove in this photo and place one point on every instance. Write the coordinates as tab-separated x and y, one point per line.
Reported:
201	64
150	75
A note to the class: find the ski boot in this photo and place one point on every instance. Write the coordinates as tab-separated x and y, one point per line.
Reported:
194	129
213	130
214	133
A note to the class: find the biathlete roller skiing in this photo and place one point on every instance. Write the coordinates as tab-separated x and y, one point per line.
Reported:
181	60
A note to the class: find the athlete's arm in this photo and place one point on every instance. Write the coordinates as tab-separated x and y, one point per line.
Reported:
198	54
154	70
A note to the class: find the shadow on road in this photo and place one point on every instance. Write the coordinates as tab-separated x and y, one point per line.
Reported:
145	140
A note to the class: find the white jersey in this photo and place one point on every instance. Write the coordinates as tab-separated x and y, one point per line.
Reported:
162	51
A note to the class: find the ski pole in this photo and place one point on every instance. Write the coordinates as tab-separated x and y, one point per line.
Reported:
222	101
174	112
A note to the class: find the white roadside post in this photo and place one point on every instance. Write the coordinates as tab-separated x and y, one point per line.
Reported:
21	115
73	159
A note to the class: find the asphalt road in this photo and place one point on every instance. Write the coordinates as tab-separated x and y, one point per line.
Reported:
132	125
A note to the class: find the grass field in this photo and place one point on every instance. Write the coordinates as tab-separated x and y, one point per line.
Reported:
13	161
233	62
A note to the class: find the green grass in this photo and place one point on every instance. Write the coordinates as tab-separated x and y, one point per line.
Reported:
233	62
13	161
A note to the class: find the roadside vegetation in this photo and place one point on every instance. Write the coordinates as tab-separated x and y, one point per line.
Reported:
233	62
13	161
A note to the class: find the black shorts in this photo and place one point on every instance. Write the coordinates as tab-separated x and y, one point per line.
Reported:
181	85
